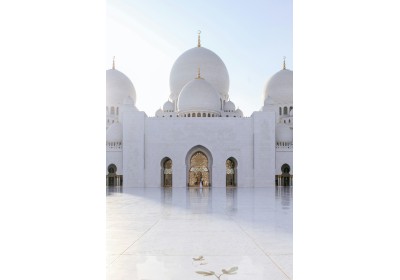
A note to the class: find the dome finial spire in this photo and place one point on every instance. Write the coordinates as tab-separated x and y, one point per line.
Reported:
198	73
198	38
284	63
113	67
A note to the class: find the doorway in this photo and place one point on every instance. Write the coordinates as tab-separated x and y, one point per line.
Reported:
231	172
112	179
167	172
198	171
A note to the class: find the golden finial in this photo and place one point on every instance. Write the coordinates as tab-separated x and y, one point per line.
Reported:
198	38
284	63
113	63
198	73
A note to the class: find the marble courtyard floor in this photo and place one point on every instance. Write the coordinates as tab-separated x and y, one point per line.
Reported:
158	233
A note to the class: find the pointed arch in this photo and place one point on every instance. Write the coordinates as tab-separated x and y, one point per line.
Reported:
112	178
231	172
166	172
285	179
199	164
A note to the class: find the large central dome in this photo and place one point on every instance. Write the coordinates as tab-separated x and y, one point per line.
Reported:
212	69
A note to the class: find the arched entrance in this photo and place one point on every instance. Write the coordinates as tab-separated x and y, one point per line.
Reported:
112	179
199	171
166	180
231	172
199	162
285	179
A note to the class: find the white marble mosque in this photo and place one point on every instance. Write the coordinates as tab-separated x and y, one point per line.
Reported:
199	191
199	135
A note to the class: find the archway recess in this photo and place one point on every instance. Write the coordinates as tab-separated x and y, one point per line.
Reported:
199	167
285	179
231	172
112	179
166	172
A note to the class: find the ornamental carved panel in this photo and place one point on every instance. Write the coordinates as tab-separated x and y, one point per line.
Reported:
199	170
168	167
230	167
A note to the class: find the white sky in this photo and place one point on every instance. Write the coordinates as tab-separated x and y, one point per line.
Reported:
251	37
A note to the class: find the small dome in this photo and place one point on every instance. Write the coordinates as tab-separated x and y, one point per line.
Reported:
239	113
118	87
279	88
199	95
159	113
211	66
168	106
229	106
114	133
283	133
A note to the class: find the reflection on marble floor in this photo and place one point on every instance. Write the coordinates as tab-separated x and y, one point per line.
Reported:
170	233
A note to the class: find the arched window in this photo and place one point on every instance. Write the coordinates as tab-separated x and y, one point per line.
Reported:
193	114
112	110
284	121
285	111
198	114
204	114
280	111
208	114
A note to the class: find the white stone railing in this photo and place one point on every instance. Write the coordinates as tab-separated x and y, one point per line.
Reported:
188	118
284	146
114	146
284	180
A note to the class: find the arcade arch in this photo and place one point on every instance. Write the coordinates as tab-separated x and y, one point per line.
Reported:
166	172
231	172
198	167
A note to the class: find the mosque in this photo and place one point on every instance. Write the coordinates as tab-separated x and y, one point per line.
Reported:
199	136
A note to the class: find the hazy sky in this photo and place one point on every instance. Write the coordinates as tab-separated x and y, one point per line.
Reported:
251	37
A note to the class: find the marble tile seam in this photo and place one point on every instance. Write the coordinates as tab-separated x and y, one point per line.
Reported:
135	241
187	255
265	253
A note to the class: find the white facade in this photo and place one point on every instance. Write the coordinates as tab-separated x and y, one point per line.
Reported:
199	137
